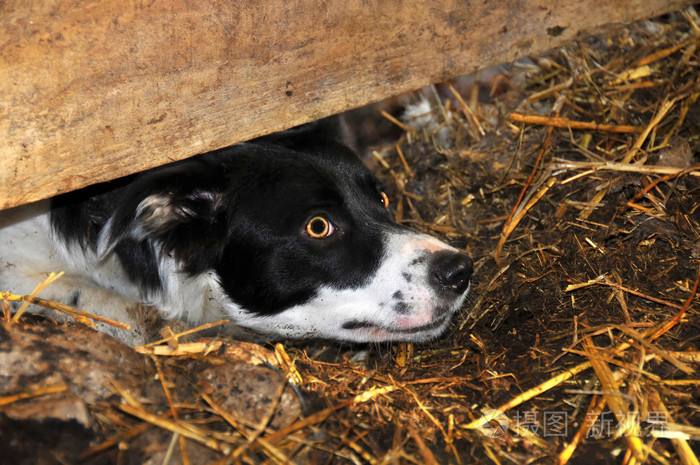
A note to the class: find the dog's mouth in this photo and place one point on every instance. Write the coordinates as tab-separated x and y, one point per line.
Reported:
369	326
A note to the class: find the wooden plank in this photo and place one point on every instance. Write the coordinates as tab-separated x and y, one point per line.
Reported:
94	90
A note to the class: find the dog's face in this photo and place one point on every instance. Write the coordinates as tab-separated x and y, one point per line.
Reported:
300	244
313	251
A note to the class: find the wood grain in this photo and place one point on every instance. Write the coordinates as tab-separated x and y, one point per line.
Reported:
91	90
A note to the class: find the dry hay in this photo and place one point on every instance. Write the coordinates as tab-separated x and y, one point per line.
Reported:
574	182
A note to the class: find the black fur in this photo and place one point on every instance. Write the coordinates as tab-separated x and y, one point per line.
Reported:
240	212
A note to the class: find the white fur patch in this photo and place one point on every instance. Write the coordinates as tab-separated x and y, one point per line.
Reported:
30	251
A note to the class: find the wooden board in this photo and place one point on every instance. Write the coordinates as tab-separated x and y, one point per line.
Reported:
91	90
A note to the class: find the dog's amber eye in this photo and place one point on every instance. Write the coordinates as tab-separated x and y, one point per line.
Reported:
319	227
385	199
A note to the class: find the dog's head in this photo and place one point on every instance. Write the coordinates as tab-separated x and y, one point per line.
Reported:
299	243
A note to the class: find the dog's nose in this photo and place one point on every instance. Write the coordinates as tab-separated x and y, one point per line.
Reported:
450	271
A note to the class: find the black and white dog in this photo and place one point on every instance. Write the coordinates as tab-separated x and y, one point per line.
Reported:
286	235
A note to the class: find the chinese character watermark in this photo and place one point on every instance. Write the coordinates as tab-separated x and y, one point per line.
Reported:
555	423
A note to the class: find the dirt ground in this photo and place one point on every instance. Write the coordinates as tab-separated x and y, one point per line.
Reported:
572	179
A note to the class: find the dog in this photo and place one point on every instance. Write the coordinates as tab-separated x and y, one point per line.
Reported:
288	235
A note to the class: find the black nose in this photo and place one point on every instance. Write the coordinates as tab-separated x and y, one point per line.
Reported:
450	271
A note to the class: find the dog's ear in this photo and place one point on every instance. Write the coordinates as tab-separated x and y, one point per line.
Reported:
180	209
319	133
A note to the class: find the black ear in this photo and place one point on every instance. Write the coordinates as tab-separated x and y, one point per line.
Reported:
180	209
319	133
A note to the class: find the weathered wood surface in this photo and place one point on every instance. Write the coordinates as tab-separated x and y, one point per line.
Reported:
94	90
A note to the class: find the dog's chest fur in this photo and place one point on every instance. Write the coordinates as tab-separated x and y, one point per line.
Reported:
31	250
